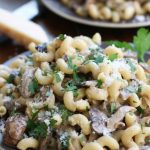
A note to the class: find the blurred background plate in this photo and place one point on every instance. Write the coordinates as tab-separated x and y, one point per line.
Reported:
58	8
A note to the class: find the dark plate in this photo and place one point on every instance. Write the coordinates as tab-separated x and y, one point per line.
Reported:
58	8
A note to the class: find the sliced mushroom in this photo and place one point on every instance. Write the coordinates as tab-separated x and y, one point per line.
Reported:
14	129
27	77
45	143
8	103
130	54
118	117
99	121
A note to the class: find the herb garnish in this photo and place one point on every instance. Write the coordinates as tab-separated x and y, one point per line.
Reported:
139	89
132	66
120	44
52	123
95	56
140	44
33	86
11	78
113	107
112	57
73	67
99	83
71	86
65	113
61	37
36	129
140	110
64	140
57	76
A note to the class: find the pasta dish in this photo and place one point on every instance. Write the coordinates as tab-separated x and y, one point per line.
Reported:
111	10
75	93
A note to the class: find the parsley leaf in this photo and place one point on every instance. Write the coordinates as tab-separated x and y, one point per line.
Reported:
113	107
132	66
139	89
99	59
65	113
142	42
95	56
112	57
37	129
120	44
99	83
14	111
61	37
70	86
57	77
52	123
140	110
11	78
64	141
73	67
33	86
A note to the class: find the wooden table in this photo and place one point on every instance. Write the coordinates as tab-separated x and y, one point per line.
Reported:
54	26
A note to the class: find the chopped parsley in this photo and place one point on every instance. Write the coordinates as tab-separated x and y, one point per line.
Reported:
33	86
99	83
139	89
132	66
99	59
11	78
64	141
52	123
73	67
112	57
113	107
61	37
71	86
140	110
14	111
65	113
57	77
37	129
95	56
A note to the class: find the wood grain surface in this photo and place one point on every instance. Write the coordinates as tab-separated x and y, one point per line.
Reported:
54	25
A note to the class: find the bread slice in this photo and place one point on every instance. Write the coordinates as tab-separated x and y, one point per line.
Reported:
21	30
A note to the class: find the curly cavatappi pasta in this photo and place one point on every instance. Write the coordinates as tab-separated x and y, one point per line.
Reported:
110	10
75	94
